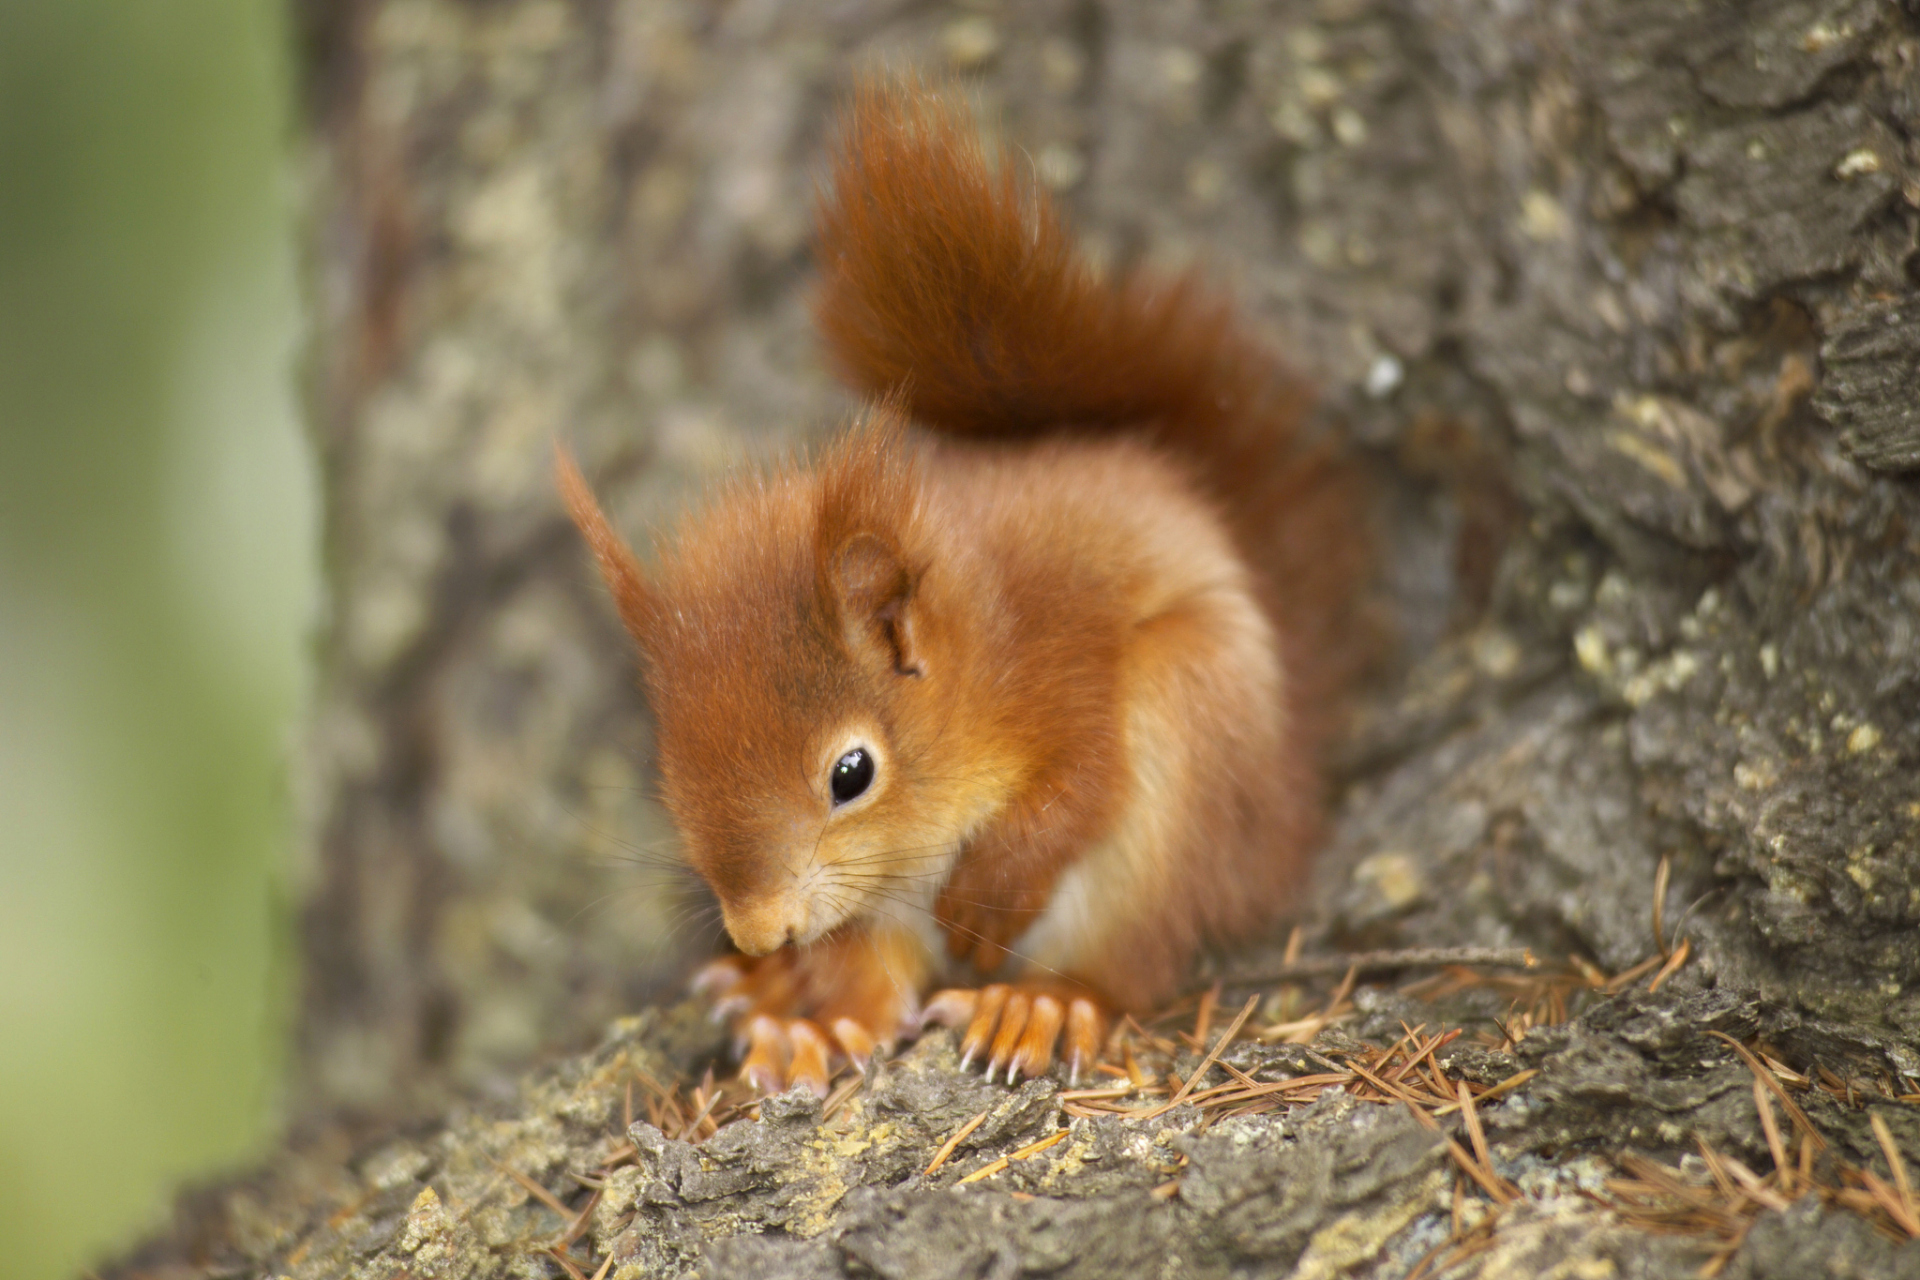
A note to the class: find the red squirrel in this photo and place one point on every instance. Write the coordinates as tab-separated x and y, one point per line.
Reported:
1032	665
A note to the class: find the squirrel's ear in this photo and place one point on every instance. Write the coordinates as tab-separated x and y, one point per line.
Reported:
868	503
873	594
617	563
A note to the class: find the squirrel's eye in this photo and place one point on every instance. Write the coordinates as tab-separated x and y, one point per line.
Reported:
852	774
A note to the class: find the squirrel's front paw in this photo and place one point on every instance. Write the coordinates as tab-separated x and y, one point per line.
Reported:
797	1015
784	1052
1018	1027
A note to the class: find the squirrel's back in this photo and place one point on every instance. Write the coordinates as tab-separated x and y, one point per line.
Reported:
957	290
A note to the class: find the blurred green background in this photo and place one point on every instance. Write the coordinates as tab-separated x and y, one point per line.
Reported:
157	573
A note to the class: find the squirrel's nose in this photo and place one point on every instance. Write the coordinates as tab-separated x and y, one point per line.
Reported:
762	925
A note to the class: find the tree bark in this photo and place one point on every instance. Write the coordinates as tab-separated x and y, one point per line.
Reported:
1620	295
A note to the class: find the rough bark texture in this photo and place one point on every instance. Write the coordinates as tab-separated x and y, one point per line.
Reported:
1621	295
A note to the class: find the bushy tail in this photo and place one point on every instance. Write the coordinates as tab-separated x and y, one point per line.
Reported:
962	287
958	289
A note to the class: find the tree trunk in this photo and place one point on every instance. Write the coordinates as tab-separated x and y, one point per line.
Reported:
1620	295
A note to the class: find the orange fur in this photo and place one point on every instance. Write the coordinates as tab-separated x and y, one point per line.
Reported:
960	292
1076	585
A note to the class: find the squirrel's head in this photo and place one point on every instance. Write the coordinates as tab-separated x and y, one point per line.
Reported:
801	681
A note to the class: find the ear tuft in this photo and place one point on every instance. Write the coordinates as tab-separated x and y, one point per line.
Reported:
631	595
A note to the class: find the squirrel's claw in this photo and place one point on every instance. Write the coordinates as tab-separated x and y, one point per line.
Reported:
764	1064
1034	1053
950	1008
717	977
724	981
1013	1020
855	1041
987	1006
1086	1032
808	1062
